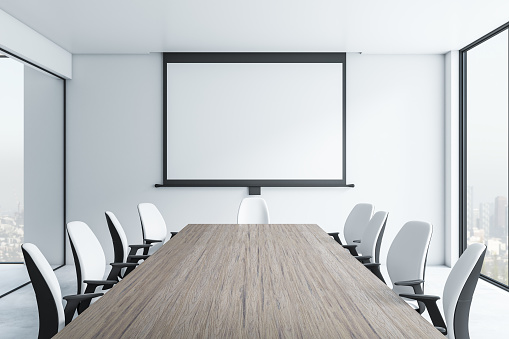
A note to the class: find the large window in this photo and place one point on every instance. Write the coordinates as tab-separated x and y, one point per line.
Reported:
11	159
485	99
32	173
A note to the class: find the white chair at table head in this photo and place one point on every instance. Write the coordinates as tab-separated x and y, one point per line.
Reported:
253	211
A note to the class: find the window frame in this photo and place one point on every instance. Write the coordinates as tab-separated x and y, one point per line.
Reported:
463	77
26	62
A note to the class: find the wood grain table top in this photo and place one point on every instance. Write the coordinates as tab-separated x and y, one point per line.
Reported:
250	281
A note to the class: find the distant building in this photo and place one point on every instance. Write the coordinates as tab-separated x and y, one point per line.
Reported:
495	246
498	229
471	224
475	218
484	219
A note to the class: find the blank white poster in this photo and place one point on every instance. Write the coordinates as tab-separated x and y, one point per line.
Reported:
254	121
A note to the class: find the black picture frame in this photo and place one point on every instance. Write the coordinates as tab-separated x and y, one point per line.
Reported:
181	57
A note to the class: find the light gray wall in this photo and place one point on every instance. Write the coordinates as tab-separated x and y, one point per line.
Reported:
395	150
452	160
11	134
395	140
44	163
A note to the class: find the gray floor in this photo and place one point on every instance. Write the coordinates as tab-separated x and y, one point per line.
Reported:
18	310
488	316
12	276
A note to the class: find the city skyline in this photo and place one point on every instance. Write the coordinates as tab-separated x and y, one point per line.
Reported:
487	222
11	235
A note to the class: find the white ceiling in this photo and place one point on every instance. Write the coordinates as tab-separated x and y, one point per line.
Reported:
368	26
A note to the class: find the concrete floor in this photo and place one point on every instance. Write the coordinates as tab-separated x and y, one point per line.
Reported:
18	311
12	276
488	315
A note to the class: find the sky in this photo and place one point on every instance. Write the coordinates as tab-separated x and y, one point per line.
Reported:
11	134
487	119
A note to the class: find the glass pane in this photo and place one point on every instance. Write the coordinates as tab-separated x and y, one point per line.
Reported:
44	163
11	160
31	168
487	152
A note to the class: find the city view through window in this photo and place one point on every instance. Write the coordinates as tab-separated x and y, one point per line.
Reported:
487	223
32	196
487	153
11	235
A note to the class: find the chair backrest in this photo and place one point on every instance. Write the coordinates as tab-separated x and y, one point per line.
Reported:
407	255
368	246
357	221
47	291
253	211
87	252
153	225
379	241
459	289
120	244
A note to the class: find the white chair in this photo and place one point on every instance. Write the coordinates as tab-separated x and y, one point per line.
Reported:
406	260
52	315
458	292
123	252
90	260
153	225
355	224
253	211
369	247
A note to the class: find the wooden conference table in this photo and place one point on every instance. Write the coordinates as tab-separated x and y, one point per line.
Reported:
250	281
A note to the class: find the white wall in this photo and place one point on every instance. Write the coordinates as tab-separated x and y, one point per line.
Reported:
452	161
395	140
395	145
